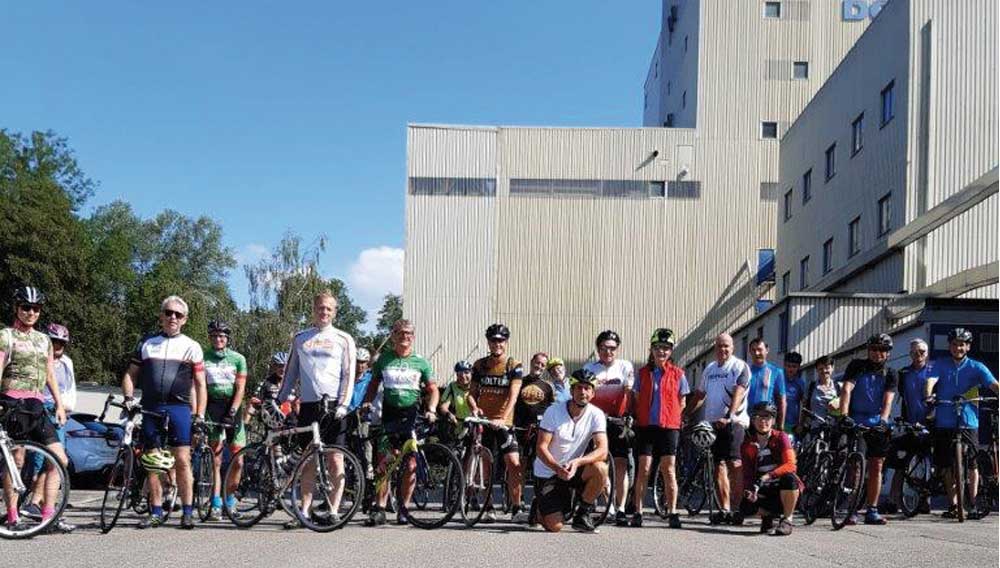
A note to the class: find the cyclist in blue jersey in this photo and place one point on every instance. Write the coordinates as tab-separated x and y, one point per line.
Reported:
912	395
767	381
796	387
866	397
363	376
957	376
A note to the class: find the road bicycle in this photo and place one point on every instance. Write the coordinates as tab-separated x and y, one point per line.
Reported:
962	453
438	477
696	471
203	468
815	469
279	473
18	460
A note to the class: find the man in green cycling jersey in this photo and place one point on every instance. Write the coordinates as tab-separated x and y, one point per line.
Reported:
226	375
404	377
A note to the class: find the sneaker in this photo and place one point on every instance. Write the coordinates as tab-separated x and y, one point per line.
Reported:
583	522
292	524
61	526
620	519
490	516
636	521
233	514
518	515
951	513
852	520
674	521
766	524
376	518
784	527
151	522
401	517
215	514
32	511
720	518
873	518
736	519
187	522
15	526
976	515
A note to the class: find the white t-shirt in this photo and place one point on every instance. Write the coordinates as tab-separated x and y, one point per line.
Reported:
569	437
719	382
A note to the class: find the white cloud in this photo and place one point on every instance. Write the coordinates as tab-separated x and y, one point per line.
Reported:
251	253
376	272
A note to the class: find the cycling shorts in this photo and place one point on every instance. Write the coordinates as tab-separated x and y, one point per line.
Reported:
178	434
556	495
944	447
657	442
728	441
331	431
236	436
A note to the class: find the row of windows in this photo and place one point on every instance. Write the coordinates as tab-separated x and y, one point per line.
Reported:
606	188
853	244
830	155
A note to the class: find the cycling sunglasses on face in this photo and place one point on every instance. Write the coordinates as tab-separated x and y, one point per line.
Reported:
174	314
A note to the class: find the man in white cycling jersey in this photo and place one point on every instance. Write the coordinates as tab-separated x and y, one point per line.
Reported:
322	363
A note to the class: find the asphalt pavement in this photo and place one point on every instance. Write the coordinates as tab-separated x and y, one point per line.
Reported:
923	541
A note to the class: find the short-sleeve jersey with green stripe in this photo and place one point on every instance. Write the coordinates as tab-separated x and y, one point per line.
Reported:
402	378
221	370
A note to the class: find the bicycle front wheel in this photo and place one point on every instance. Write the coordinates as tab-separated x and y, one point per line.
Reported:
36	459
203	466
478	494
848	490
439	476
118	489
252	499
916	484
692	492
327	488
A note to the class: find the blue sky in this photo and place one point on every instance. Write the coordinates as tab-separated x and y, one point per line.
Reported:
269	116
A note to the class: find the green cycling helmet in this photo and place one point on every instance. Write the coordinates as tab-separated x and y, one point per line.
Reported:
157	460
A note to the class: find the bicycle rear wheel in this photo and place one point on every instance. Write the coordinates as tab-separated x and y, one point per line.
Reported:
848	490
33	454
815	500
916	484
602	504
478	492
253	497
324	498
203	467
692	493
439	475
118	489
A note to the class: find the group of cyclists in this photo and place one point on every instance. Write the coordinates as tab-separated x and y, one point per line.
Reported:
571	429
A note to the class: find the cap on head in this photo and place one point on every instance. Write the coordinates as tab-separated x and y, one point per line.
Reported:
554	362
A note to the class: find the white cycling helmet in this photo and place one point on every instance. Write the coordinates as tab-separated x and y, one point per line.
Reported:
702	435
364	355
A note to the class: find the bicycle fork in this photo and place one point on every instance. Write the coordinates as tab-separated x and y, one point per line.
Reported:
11	465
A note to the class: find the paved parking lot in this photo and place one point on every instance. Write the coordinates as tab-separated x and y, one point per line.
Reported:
924	541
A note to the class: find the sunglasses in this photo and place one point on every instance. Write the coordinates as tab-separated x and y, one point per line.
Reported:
30	308
174	314
607	347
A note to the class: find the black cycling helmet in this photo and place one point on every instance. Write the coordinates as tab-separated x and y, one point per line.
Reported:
219	326
463	366
764	408
880	341
498	331
793	357
960	334
663	335
608	335
582	377
28	295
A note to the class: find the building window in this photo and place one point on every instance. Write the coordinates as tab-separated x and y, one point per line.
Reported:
657	189
684	99
857	134
885	214
804	273
831	161
783	323
788	204
828	255
800	70
769	130
786	279
466	187
888	108
772	10
746	346
807	186
656	70
854	237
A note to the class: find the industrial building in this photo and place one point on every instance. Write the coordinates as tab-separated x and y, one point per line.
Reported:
688	223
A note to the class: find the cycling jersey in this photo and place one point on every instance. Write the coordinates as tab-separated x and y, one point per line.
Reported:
535	396
719	383
360	389
767	383
459	400
957	379
871	382
222	369
795	391
612	385
492	379
322	362
912	385
658	396
167	365
819	399
26	356
403	378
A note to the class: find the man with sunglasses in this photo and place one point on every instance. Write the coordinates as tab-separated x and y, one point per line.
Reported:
912	394
170	370
866	398
26	362
613	395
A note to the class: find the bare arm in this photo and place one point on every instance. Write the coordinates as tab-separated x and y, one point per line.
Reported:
201	390
542	450
435	396
782	408
239	392
845	397
887	405
599	453
508	408
128	380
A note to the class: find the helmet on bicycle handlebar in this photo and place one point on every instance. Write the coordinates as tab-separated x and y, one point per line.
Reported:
157	460
702	435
